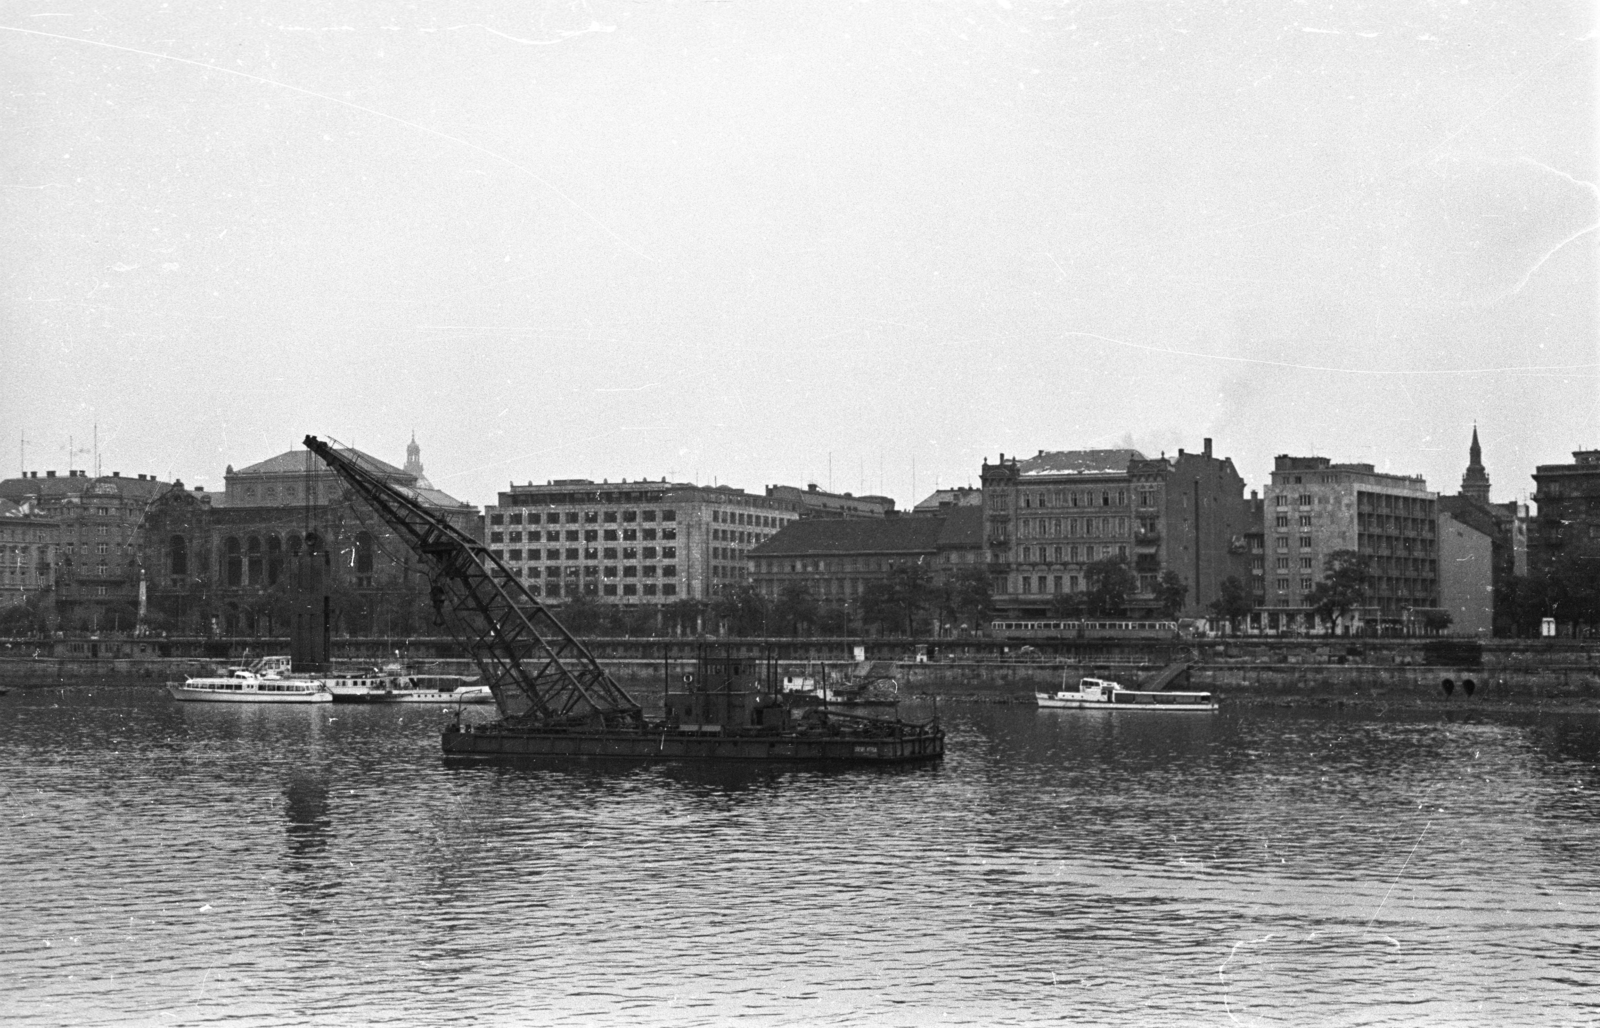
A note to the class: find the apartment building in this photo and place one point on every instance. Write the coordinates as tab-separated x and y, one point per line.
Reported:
96	571
1049	516
1314	507
633	543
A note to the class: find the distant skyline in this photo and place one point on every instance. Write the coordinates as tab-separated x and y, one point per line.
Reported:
733	243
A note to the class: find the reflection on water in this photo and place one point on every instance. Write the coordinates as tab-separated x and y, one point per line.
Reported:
186	862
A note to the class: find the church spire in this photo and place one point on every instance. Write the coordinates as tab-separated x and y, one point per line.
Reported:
1475	483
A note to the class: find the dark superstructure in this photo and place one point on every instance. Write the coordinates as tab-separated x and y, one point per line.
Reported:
556	700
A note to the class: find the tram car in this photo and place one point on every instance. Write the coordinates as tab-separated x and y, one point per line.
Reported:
1087	628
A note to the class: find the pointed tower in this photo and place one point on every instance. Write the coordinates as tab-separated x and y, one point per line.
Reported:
414	463
1475	483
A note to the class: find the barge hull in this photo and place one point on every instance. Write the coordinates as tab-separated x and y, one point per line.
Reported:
674	746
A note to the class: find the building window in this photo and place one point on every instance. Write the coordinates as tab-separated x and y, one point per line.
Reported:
669	571
1283	544
516	555
253	561
669	589
608	588
1305	521
274	559
1305	585
235	566
630	589
178	555
497	519
1305	564
1283	585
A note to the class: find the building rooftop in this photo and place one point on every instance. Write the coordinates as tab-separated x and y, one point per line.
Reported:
49	486
1078	462
963	528
939	499
298	462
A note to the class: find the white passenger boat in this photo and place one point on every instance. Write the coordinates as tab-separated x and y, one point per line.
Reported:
430	689
393	684
250	685
1101	694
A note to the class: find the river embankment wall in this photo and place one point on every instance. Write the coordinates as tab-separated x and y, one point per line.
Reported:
1284	669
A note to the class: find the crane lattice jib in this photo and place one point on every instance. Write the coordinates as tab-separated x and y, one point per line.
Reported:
538	672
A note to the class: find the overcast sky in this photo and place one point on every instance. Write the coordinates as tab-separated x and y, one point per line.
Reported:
746	241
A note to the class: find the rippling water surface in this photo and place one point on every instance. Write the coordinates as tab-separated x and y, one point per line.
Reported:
169	863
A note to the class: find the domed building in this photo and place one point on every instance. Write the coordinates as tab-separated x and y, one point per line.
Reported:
218	562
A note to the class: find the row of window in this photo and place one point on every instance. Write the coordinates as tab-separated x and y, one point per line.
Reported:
574	517
1081	498
1282	500
600	571
590	553
1073	554
1037	528
571	590
588	535
778	565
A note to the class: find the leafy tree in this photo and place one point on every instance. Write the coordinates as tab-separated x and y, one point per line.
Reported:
1068	606
1171	593
1435	620
967	596
582	615
1345	575
1234	602
911	593
684	617
1110	583
742	610
24	619
833	621
119	617
796	610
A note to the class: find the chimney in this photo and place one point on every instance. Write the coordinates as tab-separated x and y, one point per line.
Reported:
1208	446
118	474
49	474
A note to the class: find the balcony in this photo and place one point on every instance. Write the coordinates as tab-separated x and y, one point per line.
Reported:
1147	537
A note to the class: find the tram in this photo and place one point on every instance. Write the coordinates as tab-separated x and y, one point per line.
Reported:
1087	628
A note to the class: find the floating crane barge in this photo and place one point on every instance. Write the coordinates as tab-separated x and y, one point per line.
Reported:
555	699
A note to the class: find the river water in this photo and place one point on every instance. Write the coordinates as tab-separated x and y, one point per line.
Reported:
165	863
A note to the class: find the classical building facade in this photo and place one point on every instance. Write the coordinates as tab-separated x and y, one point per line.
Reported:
631	543
1314	507
1567	527
96	567
29	545
219	562
1049	516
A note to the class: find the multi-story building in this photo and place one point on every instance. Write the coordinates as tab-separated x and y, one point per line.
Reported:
1504	524
1050	516
1567	527
1255	544
812	502
838	560
1315	508
632	543
28	546
1466	570
96	570
220	561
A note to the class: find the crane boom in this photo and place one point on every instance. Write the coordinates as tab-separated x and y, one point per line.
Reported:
539	673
